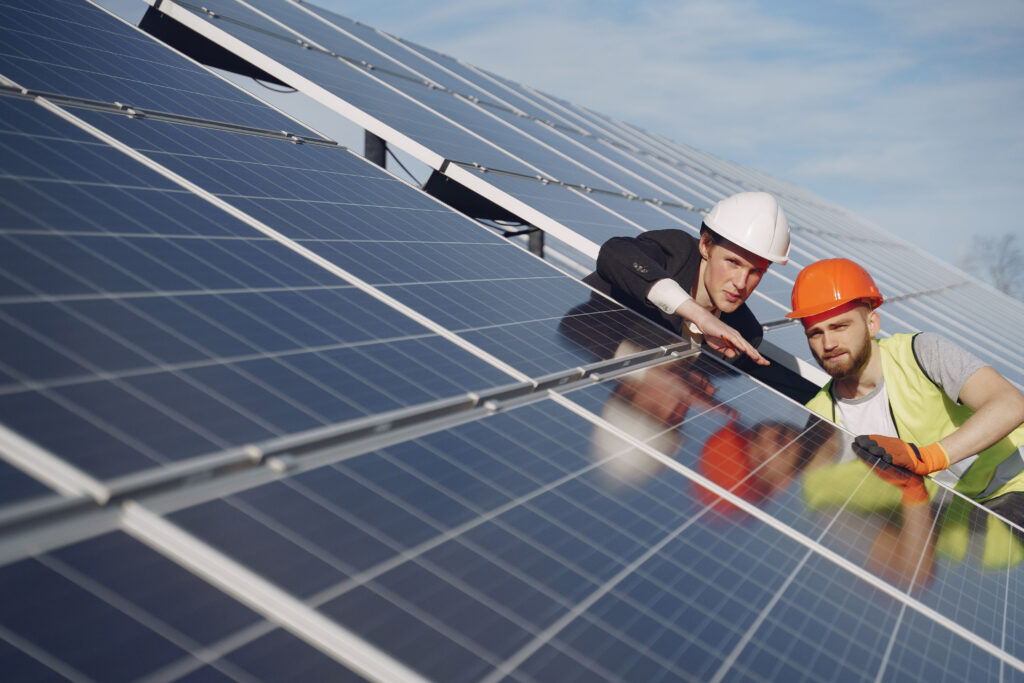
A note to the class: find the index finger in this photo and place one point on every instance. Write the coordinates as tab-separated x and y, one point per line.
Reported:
748	349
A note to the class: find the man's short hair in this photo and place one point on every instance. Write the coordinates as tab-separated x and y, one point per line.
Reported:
712	235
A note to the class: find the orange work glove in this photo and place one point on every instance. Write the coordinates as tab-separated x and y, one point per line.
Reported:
917	459
912	485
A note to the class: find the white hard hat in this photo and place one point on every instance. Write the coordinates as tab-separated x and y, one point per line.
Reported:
754	221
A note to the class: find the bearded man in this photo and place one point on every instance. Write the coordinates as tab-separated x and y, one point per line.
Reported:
919	401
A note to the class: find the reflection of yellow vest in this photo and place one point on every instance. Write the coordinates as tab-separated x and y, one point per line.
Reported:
924	414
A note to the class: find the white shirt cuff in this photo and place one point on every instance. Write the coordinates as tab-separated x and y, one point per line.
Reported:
667	295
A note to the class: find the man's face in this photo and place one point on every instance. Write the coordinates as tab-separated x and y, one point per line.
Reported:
841	339
731	273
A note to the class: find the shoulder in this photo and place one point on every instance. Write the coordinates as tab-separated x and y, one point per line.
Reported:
929	343
947	364
672	240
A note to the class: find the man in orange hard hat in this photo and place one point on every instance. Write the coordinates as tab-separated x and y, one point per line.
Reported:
919	401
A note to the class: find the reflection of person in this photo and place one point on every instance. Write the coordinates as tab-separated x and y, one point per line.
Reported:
919	401
903	551
648	405
673	278
752	462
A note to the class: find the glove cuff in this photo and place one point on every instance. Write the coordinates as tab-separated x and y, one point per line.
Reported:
934	456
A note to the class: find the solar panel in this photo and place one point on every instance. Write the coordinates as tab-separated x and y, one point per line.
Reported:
69	48
455	102
269	413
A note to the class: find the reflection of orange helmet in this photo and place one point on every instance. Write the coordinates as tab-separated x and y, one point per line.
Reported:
724	461
829	284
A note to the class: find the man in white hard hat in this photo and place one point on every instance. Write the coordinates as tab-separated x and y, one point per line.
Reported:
699	286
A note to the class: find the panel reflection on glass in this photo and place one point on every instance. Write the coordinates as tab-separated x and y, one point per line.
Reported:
901	529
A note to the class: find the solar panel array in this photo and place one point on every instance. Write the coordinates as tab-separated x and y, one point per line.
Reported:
270	413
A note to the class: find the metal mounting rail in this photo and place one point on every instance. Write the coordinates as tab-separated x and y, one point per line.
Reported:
141	113
496	106
214	475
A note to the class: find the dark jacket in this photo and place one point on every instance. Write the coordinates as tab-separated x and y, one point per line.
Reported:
627	268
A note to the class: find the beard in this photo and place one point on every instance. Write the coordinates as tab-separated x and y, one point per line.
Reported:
851	364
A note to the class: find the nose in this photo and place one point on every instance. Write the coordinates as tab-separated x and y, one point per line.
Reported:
828	340
739	280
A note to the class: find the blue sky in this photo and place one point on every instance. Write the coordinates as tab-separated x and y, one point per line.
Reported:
905	112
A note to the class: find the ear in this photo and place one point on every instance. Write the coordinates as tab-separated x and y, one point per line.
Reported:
874	323
705	245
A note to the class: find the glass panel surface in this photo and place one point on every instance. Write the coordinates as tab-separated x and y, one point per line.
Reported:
75	49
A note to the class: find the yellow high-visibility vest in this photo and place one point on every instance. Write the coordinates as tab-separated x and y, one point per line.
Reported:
924	414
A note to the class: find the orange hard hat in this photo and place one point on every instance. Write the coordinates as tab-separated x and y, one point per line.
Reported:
829	284
724	461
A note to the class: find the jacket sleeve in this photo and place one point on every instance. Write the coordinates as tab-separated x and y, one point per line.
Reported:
633	264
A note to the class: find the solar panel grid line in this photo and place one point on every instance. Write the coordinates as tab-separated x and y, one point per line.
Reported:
524	210
42	656
644	159
125	606
55	472
289	243
423	80
435	622
730	660
262	596
1006	613
740	646
567	133
158	365
604	135
568	136
382	130
790	532
319	447
483	551
547	635
488	191
903	610
14	90
257	58
398	502
74	27
91	417
142	397
648	161
658	150
405	554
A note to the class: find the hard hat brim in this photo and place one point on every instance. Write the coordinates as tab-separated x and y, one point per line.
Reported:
809	311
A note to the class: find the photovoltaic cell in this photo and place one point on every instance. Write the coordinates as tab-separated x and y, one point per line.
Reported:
158	611
550	537
209	336
411	247
77	50
516	539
